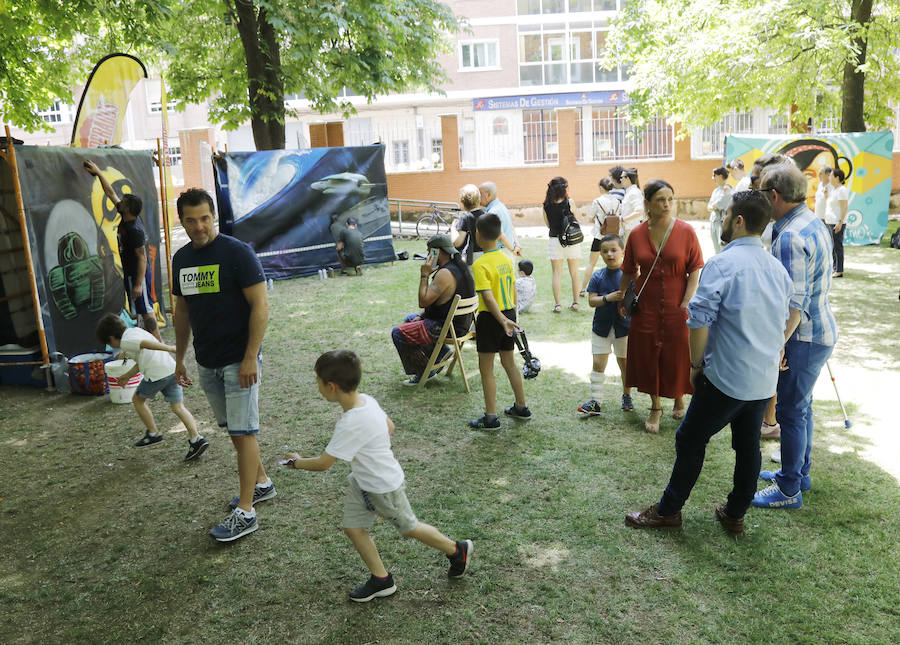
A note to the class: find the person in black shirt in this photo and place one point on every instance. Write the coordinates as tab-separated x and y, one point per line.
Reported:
132	251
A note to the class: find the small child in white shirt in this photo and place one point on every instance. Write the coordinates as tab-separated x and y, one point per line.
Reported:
153	360
526	287
362	437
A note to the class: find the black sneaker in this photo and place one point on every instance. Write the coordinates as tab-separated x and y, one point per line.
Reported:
483	422
259	495
235	526
149	439
374	588
519	413
459	562
196	449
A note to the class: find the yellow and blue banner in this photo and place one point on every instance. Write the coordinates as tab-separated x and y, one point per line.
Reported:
865	157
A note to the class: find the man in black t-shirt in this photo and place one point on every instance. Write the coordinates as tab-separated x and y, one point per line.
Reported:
132	251
350	247
221	297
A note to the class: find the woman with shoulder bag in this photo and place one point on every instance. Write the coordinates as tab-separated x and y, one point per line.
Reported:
557	215
606	220
663	258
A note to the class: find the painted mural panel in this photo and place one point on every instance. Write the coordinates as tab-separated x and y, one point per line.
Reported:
285	204
865	158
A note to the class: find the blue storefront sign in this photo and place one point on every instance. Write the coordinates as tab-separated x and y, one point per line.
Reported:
550	101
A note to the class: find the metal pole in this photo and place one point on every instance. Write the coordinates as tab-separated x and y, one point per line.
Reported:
164	193
20	204
399	218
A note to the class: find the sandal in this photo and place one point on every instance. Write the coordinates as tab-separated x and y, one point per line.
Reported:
652	428
149	439
556	309
678	413
582	293
573	306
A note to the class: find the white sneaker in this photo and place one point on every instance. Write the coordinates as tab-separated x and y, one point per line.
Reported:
776	456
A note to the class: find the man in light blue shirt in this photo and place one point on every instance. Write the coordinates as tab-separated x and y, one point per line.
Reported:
492	204
737	324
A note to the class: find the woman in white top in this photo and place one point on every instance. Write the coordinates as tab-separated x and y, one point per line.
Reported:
633	202
603	207
823	191
719	202
836	216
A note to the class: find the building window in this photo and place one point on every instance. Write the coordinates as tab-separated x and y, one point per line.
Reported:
563	53
539	132
536	7
478	55
54	114
501	125
610	137
437	153
400	153
173	155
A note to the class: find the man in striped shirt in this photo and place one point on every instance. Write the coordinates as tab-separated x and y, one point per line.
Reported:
803	246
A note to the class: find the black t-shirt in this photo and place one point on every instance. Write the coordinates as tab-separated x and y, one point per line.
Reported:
467	223
132	236
556	214
353	245
212	280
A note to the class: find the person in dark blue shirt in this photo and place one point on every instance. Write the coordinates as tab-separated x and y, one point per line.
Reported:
609	331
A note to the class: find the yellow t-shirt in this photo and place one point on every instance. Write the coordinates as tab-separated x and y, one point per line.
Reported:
493	272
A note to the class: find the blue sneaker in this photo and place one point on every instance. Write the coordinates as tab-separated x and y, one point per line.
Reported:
772	497
591	408
769	476
235	526
627	404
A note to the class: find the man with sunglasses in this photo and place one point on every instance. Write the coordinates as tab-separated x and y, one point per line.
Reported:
132	239
803	246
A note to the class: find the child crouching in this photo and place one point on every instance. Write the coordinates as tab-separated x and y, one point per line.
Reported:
376	482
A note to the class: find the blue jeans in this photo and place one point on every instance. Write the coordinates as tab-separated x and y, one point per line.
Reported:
234	407
794	410
710	411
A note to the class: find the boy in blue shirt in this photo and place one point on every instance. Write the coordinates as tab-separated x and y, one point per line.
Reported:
609	331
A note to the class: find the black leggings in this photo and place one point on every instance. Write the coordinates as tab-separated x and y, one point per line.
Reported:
838	253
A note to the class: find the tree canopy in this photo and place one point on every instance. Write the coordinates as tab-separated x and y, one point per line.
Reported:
698	59
242	55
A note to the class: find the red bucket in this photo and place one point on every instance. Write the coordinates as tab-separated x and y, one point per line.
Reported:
87	373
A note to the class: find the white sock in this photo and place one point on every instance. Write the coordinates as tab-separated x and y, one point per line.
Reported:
597	379
247	515
265	484
195	439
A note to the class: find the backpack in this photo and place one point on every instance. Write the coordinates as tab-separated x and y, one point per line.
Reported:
571	234
895	239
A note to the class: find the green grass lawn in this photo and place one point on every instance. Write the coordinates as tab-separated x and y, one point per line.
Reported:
103	542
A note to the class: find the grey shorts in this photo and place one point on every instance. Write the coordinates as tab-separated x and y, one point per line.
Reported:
168	386
361	508
234	407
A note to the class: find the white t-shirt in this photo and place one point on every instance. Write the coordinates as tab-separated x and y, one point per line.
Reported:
632	203
361	437
822	193
526	290
602	206
833	207
743	184
154	364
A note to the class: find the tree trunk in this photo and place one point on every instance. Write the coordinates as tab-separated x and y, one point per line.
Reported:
854	81
266	88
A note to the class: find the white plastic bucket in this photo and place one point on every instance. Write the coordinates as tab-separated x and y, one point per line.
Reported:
121	390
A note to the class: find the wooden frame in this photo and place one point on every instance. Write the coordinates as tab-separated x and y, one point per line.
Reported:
459	307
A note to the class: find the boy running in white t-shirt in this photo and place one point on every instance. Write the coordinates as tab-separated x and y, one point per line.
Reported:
154	361
376	482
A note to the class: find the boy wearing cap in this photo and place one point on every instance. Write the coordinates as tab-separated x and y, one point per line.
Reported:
449	276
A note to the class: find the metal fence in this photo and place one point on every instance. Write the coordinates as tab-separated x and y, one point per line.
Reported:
412	143
712	137
508	139
609	136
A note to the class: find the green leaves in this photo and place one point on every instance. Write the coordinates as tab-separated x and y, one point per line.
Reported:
698	59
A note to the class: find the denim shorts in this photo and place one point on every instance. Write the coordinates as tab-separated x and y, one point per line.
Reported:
168	386
234	407
361	508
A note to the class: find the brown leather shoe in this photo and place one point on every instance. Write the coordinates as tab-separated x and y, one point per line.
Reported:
651	519
735	527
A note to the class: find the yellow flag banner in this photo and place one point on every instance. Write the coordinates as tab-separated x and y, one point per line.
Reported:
103	102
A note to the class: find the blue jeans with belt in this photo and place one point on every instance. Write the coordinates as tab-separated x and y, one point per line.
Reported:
710	411
794	410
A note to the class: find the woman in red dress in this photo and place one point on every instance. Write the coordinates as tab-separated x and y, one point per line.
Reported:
658	353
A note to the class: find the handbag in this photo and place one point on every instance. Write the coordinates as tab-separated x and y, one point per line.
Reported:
631	299
571	234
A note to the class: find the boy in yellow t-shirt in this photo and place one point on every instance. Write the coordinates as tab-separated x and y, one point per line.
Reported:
495	325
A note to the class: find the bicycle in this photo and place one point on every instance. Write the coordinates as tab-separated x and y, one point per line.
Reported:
433	223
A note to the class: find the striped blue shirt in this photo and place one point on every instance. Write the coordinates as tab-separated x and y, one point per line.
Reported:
803	245
743	298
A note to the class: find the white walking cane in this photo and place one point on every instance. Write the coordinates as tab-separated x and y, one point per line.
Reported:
847	423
